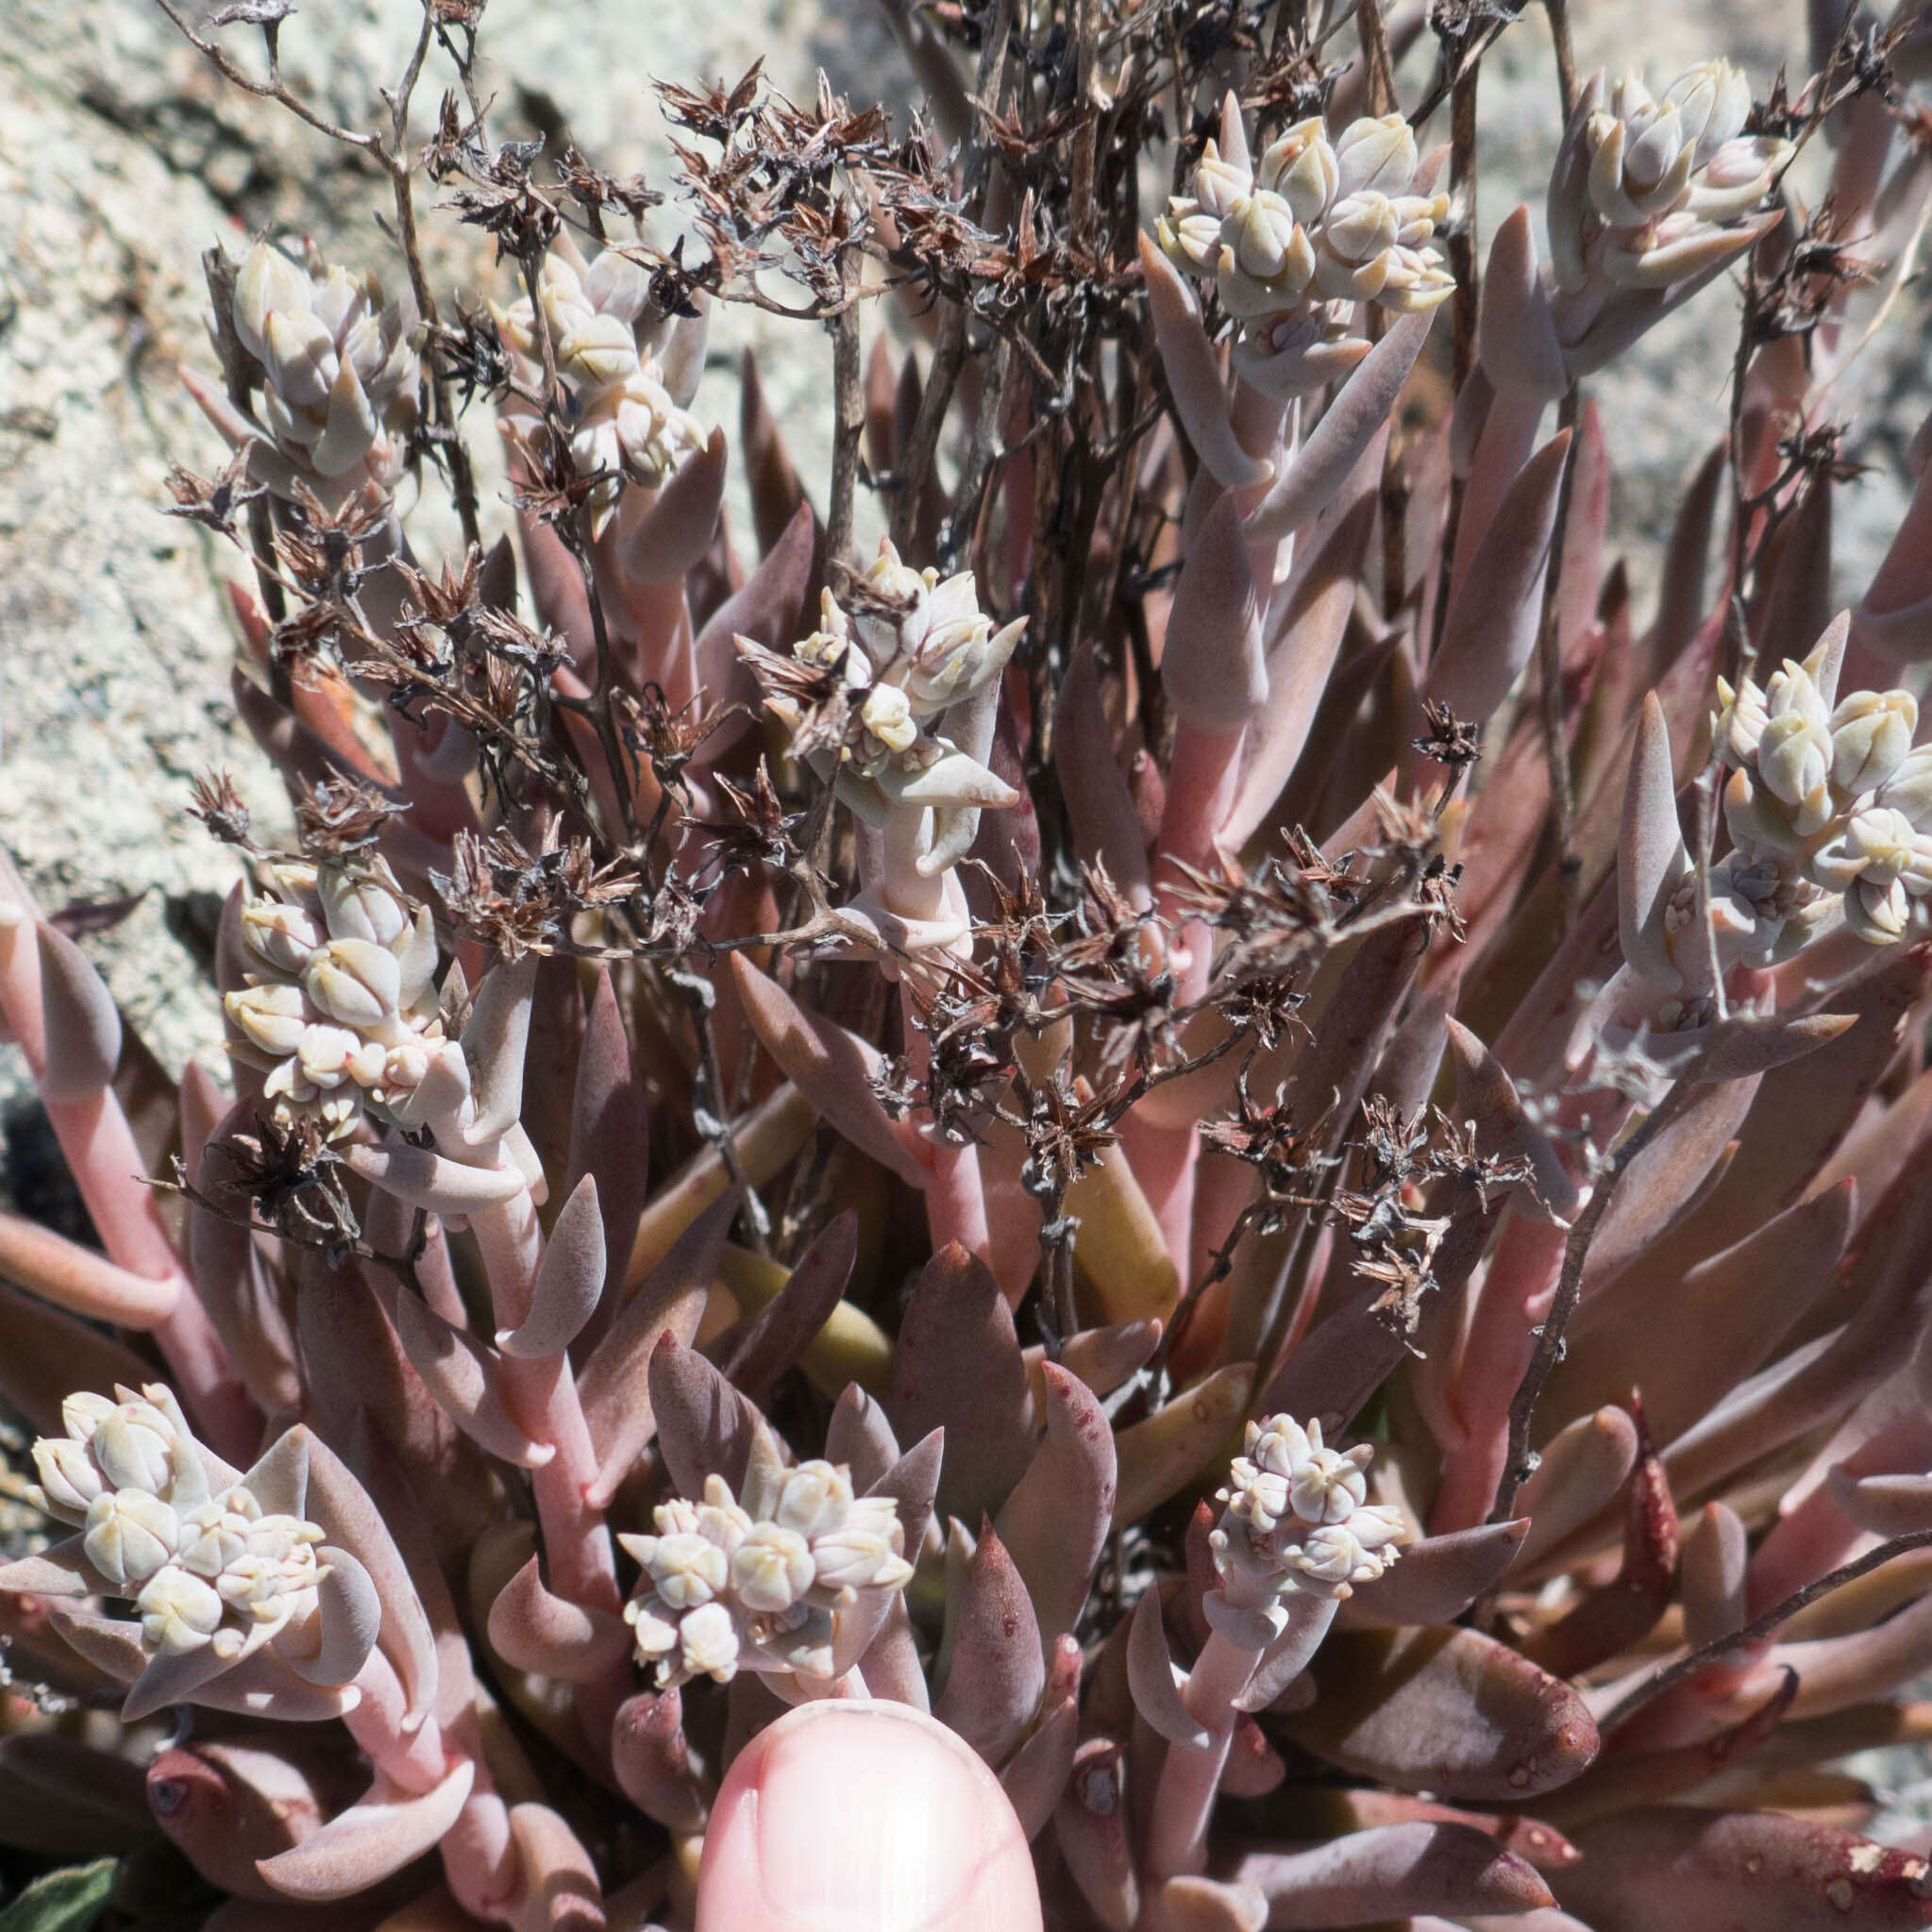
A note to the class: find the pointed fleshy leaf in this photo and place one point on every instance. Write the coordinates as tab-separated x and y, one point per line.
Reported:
465	1377
860	1436
1212	669
998	1669
610	1136
1652	862
832	1067
379	1833
76	1278
1036	1774
787	1324
1191	1903
1057	1520
1711	1574
1698	1870
45	1354
1155	1680
570	1280
1516	333
1486	1095
705	1427
1103	1358
532	1629
1350	424
1194	374
349	1616
652	1760
1885	1505
1493	618
1438	1578
1091	1824
494	1038
958	1367
1582	1468
674	533
81	1021
1100	804
431	1182
1391	1872
768	608
1447	1711
1161	1456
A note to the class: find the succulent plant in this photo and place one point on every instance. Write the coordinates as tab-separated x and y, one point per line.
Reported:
1207	1123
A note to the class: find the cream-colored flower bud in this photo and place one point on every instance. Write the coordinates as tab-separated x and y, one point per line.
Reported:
601	351
300	359
1909	788
1713	101
1377	155
1417	216
361	909
180	1612
355	980
369	1064
887	715
272	1017
70	1477
280	936
1414	280
860	1555
1328	1487
1301	166
1738	722
135	1446
1738	178
708	1643
83	1412
325	1055
771	1569
1878	913
1794	756
1219	184
687	1568
216	1535
655	1634
266	282
1352	257
812	1499
131	1534
1871	733
1189	236
404	1067
1261	230
1247	298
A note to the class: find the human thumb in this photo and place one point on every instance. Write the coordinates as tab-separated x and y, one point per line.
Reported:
863	1816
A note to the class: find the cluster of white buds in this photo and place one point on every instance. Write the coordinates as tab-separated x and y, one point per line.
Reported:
629	410
340	1010
1296	1519
1832	798
1643	188
1312	221
759	1584
340	375
202	1567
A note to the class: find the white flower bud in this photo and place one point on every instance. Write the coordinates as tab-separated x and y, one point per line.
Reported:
216	1535
887	715
180	1612
266	281
324	1053
1738	178
70	1478
83	1412
601	351
1219	184
1261	230
771	1569
135	1444
1909	788
687	1568
131	1534
1794	754
271	1019
1871	733
1414	279
1879	914
812	1499
1375	153
861	1556
708	1643
1712	100
281	937
1189	236
361	909
355	981
1738	722
1301	166
1328	1487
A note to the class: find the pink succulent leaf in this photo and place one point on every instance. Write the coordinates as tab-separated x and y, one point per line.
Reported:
431	1182
1254	1768
835	1068
62	1569
1212	667
1159	1456
1348	427
1100	803
1155	1680
112	1644
1057	1520
1884	1505
1689	1868
675	532
1711	1576
1486	1095
997	1671
349	1615
1035	1775
1194	374
570	1280
1653	864
466	1379
1894	623
1516	333
891	1664
1583	1468
609	1129
913	1481
651	1759
1103	1358
705	1427
1493	617
78	1279
1836	1673
958	1367
766	608
1391	1871
532	1629
1438	1578
1450	1712
860	1436
787	1324
379	1833
82	1023
1091	1826
494	1040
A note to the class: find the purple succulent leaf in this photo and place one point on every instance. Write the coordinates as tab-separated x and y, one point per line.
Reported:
1712	1572
777	495
705	1426
1652	862
62	1569
1516	333
833	1067
610	1136
1389	1872
1493	617
228	1681
1698	1870
379	1833
532	1629
1194	374
768	608
1057	1520
46	1352
1253	1768
1091	1826
651	1759
1213	669
1585	531
958	1367
1100	804
1036	1774
890	1663
1447	1711
787	1324
1836	1673
913	1481
860	1436
1439	1577
1154	1679
1652	1328
670	538
232	1284
1486	1095
1798	606
1893	623
1350	424
466	1379
1158	1456
82	1023
997	1671
1103	1358
63	1799
1682	604
570	1280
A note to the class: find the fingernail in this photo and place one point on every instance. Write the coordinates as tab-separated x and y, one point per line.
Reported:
862	1816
